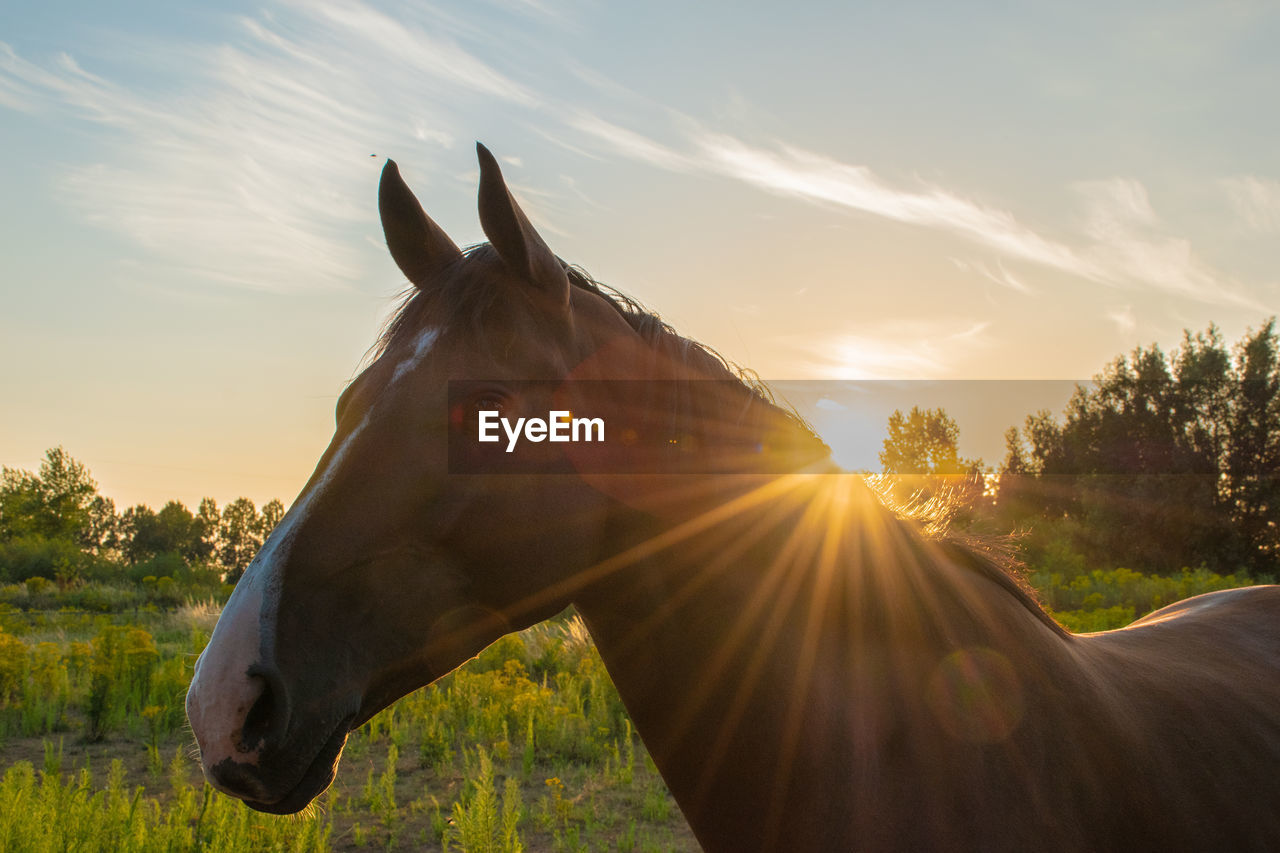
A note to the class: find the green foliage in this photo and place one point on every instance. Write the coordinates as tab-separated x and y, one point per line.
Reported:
922	460
1086	600
53	504
54	525
57	812
116	680
120	677
1164	461
510	737
32	555
1138	592
272	513
1089	621
478	827
239	536
173	532
13	668
923	442
484	741
1252	465
1058	559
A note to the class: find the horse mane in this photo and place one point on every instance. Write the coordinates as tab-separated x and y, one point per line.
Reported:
463	296
989	555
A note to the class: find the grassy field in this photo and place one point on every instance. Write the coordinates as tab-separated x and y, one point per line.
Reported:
526	748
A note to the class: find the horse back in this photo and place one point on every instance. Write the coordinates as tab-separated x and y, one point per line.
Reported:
1189	697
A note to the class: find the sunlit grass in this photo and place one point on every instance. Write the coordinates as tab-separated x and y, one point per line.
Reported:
539	705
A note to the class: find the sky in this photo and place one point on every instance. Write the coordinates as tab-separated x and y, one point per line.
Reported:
191	266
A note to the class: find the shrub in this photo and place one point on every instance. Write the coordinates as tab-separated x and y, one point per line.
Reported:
35	556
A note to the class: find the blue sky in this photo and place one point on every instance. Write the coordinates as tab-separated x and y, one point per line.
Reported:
192	265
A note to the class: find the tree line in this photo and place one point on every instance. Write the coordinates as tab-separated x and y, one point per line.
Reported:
1163	461
54	524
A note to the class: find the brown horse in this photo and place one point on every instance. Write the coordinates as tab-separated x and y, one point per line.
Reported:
809	671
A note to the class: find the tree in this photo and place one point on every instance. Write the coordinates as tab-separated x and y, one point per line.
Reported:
924	442
922	453
1166	461
272	512
209	518
239	537
172	530
49	520
1202	396
1108	466
1014	482
1252	465
102	533
53	504
55	525
137	525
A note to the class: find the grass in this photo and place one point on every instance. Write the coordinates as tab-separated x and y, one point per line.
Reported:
528	747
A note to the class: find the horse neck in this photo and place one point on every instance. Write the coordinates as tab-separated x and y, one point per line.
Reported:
787	637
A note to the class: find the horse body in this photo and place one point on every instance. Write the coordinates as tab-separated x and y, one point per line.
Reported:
808	670
901	725
1194	691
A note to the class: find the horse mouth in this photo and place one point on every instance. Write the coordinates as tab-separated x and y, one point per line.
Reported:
315	779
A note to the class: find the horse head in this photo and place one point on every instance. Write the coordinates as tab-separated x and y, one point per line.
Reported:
386	572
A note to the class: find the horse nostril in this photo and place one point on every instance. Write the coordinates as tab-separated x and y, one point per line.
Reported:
257	723
267	717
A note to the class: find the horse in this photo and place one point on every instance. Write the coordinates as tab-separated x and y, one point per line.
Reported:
809	669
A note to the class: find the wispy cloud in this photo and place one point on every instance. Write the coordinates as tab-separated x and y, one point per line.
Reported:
632	145
1123	318
1256	200
13	93
243	163
531	7
245	167
1128	246
999	275
1114	207
409	48
1122	245
793	171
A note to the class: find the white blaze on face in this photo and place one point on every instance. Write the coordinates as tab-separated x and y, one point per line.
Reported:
222	692
421	349
217	713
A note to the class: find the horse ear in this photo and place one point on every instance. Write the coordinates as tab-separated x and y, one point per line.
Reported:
419	246
512	235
